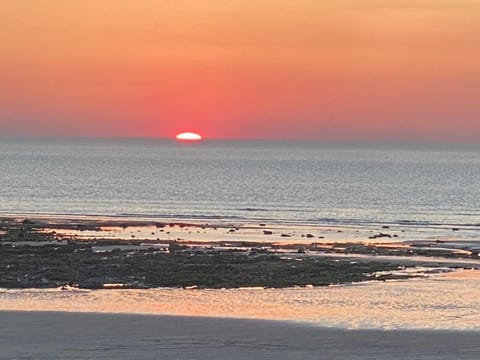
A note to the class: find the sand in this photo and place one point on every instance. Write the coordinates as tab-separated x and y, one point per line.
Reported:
57	335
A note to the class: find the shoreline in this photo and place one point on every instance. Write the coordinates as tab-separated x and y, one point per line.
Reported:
273	321
228	220
122	336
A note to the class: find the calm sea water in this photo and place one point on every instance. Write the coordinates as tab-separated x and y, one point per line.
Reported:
276	181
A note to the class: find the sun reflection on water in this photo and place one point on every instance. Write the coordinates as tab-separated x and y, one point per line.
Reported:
448	301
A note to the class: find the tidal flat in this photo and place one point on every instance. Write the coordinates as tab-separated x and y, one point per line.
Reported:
238	270
99	254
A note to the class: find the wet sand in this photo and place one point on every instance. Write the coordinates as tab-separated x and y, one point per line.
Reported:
48	335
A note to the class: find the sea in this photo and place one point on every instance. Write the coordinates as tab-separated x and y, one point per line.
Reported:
277	181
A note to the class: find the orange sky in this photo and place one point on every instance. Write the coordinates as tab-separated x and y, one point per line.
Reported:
297	69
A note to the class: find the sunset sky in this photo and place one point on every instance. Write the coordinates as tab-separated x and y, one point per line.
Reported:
282	69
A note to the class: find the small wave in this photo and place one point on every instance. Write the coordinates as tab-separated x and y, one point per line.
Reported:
252	209
376	222
349	221
179	216
416	222
428	223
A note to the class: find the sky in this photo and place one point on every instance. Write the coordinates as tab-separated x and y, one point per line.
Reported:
386	70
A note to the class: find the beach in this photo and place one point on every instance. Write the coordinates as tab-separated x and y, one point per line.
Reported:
53	335
148	260
93	265
414	312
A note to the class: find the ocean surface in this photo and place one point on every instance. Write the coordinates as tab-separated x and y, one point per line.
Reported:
309	182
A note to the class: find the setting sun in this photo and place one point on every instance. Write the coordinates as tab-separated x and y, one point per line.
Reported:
189	136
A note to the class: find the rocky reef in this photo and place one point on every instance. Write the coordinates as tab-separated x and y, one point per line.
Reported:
31	257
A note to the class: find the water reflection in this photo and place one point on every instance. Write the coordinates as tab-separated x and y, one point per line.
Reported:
448	301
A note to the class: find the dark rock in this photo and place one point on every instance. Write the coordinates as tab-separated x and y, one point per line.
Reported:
56	266
173	247
381	235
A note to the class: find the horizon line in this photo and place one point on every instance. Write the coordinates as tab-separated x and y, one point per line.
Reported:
279	140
